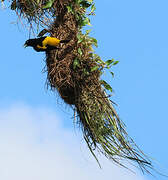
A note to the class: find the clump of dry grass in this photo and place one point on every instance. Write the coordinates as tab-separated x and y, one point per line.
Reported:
75	72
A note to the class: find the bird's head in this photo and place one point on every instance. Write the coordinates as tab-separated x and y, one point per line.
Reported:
29	42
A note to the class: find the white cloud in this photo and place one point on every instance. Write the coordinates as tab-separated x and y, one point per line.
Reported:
35	146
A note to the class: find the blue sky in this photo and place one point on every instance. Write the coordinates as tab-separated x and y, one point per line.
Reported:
133	32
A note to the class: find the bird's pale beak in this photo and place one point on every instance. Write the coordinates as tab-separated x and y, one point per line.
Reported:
25	45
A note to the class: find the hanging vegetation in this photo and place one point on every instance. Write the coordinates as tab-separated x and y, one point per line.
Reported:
75	72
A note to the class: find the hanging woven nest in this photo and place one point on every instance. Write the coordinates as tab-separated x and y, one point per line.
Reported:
75	72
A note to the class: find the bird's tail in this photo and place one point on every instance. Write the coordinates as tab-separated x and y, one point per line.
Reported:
64	41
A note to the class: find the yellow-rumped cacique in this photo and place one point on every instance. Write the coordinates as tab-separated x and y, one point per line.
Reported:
45	43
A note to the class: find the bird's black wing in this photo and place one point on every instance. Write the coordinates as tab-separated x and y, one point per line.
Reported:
39	41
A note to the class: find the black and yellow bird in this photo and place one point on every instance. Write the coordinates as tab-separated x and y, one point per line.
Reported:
45	43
